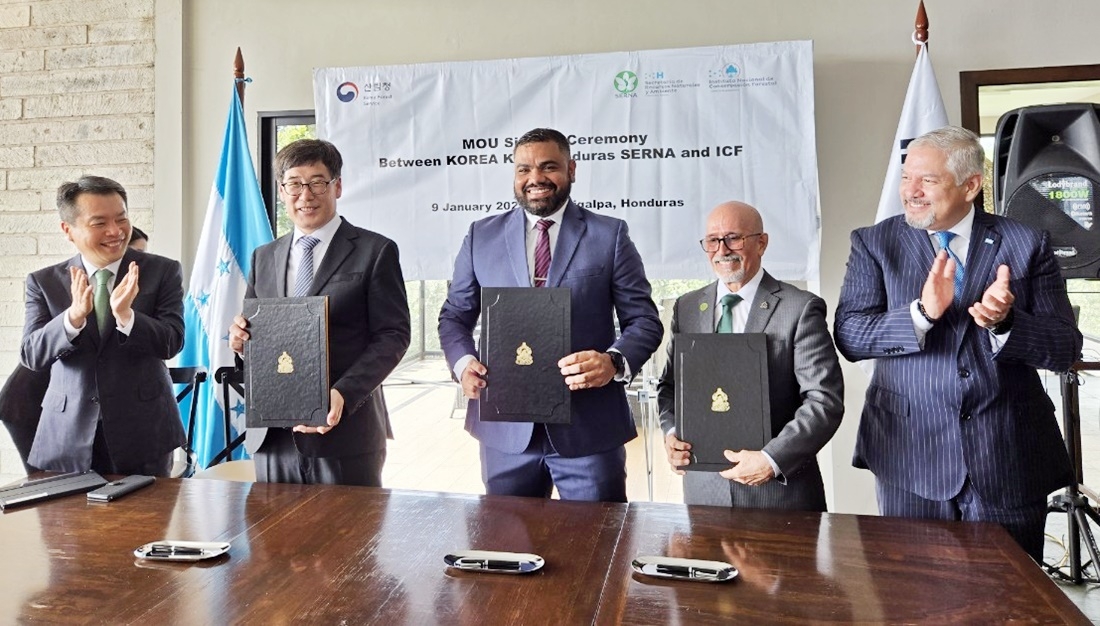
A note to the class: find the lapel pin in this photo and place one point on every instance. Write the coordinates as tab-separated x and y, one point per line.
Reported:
763	305
988	241
703	306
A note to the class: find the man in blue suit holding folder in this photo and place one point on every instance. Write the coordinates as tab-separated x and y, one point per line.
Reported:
959	308
550	241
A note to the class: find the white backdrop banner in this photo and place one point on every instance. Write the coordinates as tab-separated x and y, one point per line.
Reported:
659	137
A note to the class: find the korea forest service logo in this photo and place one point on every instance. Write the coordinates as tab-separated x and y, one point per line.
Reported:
626	82
346	92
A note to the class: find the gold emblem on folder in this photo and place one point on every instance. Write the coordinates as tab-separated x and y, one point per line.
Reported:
523	355
286	364
719	401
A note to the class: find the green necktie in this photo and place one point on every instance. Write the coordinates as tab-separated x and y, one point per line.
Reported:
102	299
730	300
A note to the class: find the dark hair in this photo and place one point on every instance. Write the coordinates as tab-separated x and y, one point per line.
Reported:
67	194
541	135
305	152
136	234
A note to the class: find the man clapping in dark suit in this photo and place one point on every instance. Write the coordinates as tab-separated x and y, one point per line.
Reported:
369	328
806	390
959	308
103	323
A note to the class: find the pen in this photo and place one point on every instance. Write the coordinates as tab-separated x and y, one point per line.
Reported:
686	572
167	550
489	564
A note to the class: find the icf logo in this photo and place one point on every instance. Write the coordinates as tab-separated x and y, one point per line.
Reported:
346	92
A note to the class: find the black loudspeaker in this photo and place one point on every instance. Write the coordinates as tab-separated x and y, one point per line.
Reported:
1046	170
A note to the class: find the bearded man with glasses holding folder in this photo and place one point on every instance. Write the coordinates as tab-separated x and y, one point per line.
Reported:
805	386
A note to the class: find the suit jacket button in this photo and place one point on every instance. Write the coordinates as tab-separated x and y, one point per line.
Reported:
964	373
966	417
95	399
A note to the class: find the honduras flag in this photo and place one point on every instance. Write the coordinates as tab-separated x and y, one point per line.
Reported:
236	223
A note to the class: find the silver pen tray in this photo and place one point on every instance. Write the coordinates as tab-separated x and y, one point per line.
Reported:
684	569
169	550
494	562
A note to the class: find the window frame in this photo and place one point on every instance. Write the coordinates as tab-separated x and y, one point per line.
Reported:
268	124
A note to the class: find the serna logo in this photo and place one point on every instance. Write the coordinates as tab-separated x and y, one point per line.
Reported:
626	82
346	92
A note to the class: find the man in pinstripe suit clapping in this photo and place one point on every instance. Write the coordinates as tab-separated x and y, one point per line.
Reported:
959	308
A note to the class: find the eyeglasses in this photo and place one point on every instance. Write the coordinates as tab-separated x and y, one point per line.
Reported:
733	242
316	187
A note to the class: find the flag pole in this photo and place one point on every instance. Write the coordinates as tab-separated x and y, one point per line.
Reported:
238	71
920	28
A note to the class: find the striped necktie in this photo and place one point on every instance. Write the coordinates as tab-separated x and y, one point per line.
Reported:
542	252
944	238
304	279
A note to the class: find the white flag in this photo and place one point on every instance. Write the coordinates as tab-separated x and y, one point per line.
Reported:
923	111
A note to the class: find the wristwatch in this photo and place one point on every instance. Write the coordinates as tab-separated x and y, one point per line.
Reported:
1004	325
618	362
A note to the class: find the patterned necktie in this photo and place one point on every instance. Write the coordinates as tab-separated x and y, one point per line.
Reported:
542	252
730	300
304	278
102	299
944	238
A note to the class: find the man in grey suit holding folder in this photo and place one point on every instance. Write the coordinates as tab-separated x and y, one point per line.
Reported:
806	389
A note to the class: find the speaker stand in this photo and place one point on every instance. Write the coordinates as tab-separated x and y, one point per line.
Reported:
1073	502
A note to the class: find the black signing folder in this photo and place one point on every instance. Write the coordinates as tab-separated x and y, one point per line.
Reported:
525	331
31	491
721	392
286	362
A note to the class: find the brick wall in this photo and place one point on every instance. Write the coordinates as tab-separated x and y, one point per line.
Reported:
76	97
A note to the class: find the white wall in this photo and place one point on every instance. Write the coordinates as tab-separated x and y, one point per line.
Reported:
863	57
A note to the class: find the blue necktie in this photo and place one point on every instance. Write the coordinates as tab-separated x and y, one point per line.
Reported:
725	325
944	238
304	278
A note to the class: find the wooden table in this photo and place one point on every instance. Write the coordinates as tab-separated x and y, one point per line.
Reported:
800	568
323	555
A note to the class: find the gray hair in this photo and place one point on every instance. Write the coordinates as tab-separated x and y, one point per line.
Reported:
965	156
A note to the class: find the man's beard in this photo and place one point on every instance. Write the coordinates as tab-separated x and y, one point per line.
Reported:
923	223
732	276
544	206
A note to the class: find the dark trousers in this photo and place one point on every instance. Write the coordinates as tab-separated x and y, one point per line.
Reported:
278	461
1025	523
22	434
537	470
103	464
